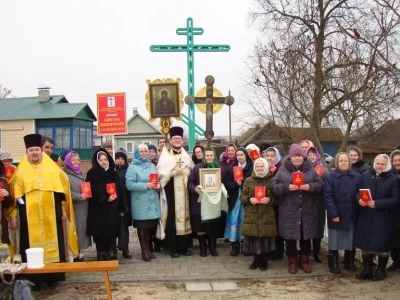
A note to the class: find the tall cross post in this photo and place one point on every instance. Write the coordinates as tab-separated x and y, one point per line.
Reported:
209	100
190	48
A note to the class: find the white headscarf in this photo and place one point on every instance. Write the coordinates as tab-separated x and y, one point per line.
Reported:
388	164
266	167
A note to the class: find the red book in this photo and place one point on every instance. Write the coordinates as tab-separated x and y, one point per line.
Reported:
365	195
272	168
86	189
153	178
297	179
111	189
1	187
254	154
319	169
9	172
237	173
259	192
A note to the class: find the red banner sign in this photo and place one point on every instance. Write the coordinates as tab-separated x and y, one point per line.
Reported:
111	114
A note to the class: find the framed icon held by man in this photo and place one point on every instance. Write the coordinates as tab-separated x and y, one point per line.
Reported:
164	100
210	179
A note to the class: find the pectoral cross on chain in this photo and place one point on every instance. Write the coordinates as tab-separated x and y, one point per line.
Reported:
179	163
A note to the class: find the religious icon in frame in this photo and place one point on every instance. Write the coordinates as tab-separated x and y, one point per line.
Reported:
210	179
164	100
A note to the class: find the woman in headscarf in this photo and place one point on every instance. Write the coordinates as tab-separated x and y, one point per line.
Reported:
229	156
6	203
197	155
259	225
315	158
145	201
205	230
153	154
305	145
233	229
297	210
395	253
106	203
340	189
72	167
376	222
357	163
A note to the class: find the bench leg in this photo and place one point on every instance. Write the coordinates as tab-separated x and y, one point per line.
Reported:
107	284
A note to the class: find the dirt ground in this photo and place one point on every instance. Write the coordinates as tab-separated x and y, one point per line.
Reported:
321	288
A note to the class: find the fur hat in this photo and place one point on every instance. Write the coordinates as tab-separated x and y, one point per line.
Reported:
5	155
295	149
106	145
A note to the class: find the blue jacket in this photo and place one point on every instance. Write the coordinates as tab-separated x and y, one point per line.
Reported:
375	227
340	189
145	204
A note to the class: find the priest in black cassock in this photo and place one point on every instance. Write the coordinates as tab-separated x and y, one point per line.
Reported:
174	167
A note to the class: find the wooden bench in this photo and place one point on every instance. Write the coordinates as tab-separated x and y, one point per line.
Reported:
78	267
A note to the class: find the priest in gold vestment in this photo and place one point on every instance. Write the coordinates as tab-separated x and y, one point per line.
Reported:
43	214
174	167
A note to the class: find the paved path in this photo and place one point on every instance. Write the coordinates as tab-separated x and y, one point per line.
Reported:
189	269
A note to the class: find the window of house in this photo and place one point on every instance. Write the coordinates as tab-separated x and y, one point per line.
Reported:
62	138
46	131
146	142
129	146
76	138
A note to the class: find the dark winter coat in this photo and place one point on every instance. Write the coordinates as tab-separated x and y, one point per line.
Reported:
121	171
360	166
297	208
230	184
193	181
5	204
259	219
321	213
340	189
103	215
375	227
397	173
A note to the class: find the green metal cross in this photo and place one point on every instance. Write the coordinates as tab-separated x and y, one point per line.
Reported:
190	48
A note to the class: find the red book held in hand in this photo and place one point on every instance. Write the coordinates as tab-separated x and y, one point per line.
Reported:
86	189
365	195
319	169
259	192
1	187
237	173
297	179
254	154
153	178
9	172
111	189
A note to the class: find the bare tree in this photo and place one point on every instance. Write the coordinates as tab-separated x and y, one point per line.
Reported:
4	92
313	70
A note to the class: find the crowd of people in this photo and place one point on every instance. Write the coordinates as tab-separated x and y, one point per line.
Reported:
265	205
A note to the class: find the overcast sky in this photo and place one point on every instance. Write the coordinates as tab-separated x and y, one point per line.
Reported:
84	47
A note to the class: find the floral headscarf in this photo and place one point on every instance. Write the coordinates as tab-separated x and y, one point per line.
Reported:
228	159
214	164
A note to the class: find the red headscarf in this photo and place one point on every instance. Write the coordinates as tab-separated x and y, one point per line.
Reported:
228	159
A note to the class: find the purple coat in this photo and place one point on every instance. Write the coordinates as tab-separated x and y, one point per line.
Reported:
297	207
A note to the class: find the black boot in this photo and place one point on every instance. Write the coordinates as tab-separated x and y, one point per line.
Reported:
366	273
212	244
256	262
144	243
395	255
100	255
126	253
333	262
349	260
235	248
380	272
149	242
264	262
157	244
114	250
203	245
317	249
